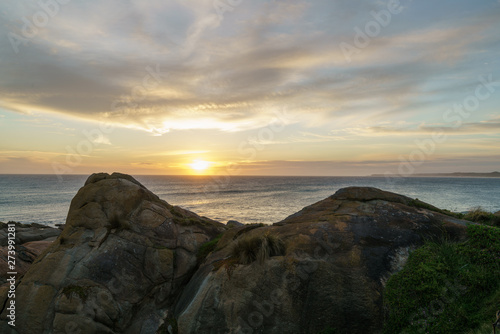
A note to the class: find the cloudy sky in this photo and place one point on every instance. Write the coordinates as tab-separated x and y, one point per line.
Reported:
330	87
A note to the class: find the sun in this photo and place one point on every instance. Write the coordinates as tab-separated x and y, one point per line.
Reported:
200	165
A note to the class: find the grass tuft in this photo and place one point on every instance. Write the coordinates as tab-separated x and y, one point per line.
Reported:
258	248
171	323
115	222
416	203
81	291
208	247
478	215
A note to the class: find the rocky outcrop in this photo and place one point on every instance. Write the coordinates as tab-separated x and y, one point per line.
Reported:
128	262
30	240
339	254
234	223
28	232
117	267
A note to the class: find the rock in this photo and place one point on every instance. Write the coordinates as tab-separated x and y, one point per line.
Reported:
36	235
30	241
497	214
339	254
60	226
128	262
28	232
234	223
25	255
117	267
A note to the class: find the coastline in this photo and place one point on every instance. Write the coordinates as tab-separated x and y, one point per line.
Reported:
444	175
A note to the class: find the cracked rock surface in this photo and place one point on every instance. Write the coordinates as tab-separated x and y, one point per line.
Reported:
340	253
117	267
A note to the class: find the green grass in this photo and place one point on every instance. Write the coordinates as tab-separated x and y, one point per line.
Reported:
247	228
479	215
80	291
176	212
208	247
172	322
484	329
446	287
419	204
258	248
250	249
115	222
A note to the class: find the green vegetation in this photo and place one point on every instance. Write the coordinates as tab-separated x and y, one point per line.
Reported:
228	263
80	291
419	204
208	247
189	221
115	222
173	322
247	228
176	211
185	217
169	322
486	328
447	287
258	248
251	249
479	215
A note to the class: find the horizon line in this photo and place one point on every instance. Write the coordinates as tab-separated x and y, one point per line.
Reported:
253	175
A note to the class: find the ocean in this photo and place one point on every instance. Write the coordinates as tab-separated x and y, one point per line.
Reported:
248	199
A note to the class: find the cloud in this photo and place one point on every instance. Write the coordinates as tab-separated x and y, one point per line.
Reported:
491	127
102	140
181	152
230	74
366	167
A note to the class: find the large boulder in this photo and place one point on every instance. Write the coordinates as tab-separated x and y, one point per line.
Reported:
339	254
117	267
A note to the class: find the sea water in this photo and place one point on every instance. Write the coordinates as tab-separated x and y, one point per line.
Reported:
248	199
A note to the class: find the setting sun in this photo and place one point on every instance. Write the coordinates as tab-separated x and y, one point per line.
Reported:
200	165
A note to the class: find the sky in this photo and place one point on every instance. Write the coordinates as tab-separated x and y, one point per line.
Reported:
240	87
